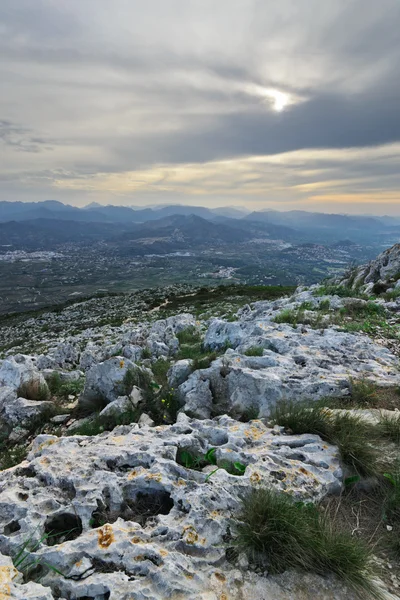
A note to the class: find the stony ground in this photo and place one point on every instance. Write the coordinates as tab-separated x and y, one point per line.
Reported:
127	444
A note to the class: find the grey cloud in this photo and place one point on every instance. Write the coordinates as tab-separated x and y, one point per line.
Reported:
137	84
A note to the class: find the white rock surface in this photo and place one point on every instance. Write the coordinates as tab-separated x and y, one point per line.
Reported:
127	476
297	363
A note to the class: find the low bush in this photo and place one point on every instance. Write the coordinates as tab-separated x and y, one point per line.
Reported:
9	457
292	535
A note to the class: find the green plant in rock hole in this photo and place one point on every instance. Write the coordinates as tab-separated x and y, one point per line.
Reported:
190	461
27	565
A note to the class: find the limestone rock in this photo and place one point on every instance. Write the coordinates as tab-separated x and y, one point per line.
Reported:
106	380
18	370
179	372
129	521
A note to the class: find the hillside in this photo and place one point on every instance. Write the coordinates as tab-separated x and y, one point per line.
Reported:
146	438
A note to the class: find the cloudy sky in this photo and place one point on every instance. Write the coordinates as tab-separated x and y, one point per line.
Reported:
259	103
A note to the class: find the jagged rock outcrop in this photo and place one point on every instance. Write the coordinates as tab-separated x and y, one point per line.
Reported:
379	274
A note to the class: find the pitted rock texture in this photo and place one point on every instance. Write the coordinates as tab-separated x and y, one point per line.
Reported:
297	363
127	521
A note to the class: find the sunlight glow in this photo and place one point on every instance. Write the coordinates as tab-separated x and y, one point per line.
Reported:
280	99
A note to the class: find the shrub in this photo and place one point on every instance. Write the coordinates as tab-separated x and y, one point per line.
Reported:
294	535
324	305
9	457
146	353
254	351
34	390
348	432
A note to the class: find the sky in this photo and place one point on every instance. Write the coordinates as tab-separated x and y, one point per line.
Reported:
289	104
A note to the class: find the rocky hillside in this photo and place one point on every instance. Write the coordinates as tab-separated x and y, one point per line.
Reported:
149	449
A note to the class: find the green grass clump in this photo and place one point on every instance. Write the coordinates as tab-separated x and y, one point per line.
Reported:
353	436
389	426
290	316
62	389
98	423
204	362
146	353
34	390
190	336
324	305
393	295
363	391
160	369
338	290
392	500
254	351
294	535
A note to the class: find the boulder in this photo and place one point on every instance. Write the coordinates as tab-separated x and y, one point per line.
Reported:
106	380
179	372
18	370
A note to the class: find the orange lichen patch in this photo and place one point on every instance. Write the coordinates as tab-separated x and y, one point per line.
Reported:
190	535
139	558
154	477
78	564
189	575
5	591
46	444
255	478
7	574
223	597
135	473
105	536
203	541
180	482
163	553
136	540
220	576
121	364
45	461
118	439
215	513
